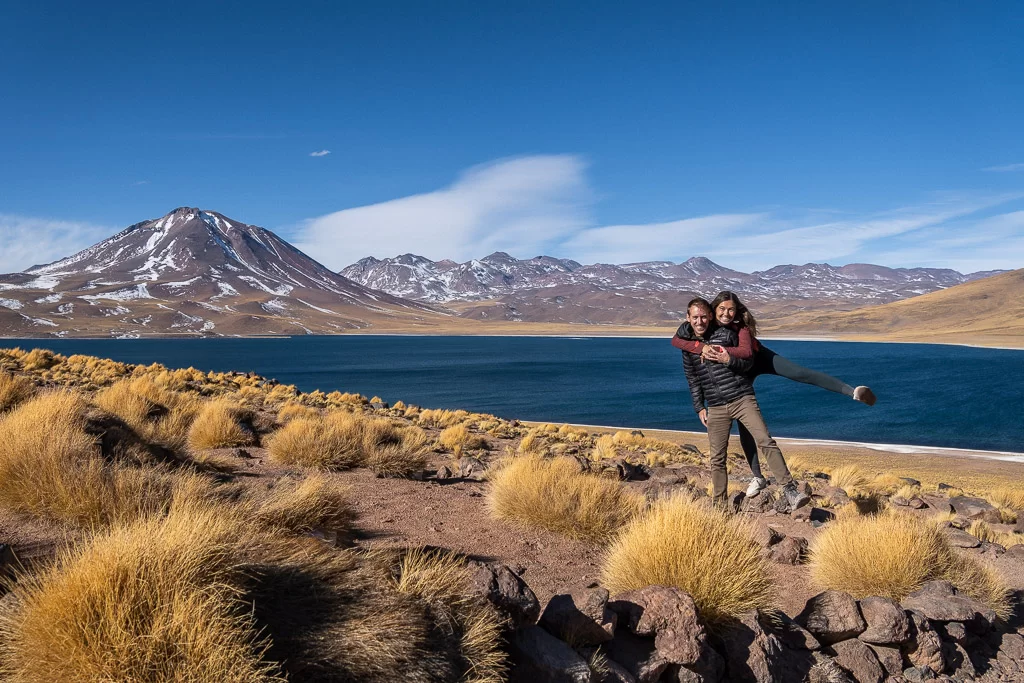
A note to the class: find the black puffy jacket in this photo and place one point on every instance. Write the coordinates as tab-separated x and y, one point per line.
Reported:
716	384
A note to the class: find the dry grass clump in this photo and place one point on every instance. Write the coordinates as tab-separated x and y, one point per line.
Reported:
151	601
157	414
330	442
440	418
533	443
554	495
984	532
52	468
312	503
685	543
458	439
893	555
291	411
14	390
1008	497
850	478
441	580
341	440
221	424
907	491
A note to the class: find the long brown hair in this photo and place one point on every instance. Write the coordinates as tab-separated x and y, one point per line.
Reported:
743	315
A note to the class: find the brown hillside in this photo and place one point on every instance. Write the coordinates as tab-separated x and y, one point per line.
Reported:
988	312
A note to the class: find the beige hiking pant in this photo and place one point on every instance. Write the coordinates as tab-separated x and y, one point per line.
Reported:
748	413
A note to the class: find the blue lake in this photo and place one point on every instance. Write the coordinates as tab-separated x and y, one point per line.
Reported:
927	394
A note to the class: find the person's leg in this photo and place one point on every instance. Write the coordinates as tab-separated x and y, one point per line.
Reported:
748	413
750	451
719	425
783	367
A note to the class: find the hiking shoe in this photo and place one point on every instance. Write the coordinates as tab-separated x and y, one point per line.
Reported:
796	499
757	484
864	395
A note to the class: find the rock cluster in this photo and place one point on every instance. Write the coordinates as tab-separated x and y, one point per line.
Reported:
656	635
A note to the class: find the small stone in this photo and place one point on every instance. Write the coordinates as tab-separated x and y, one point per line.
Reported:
766	536
790	550
857	658
886	620
443	472
735	500
961	539
832	616
917	503
822	515
539	656
1012	645
925	648
637	655
503	588
580	618
1016	551
890	658
899	500
954	631
910	481
667	613
918	674
975	508
939	601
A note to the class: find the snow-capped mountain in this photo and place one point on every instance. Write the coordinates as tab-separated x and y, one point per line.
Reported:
546	289
191	271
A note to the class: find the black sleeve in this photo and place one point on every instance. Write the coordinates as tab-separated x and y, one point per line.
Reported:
685	331
696	390
741	365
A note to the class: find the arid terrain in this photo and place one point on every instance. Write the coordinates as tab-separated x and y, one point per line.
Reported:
230	494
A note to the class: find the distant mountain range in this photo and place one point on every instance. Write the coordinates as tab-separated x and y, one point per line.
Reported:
198	273
546	289
191	272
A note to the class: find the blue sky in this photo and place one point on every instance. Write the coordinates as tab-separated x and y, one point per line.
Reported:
754	133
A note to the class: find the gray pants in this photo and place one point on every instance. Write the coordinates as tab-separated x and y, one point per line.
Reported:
748	413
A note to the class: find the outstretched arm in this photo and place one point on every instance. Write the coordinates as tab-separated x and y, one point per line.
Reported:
689	345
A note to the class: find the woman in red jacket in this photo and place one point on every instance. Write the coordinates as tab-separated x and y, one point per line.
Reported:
729	310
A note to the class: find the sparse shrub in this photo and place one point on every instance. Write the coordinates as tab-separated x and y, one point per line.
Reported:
984	532
152	601
688	544
156	413
1007	497
441	579
458	438
850	478
221	424
553	494
533	444
40	359
52	468
605	448
907	491
313	503
331	442
893	555
14	390
291	411
394	451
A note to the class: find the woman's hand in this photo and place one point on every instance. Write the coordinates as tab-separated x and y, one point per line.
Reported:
717	354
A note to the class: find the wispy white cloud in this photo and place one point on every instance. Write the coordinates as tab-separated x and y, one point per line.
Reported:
1007	168
321	153
27	241
543	204
523	205
137	183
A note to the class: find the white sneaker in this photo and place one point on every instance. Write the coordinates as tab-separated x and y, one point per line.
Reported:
756	485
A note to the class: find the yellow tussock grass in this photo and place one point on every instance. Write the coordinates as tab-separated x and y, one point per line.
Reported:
893	555
458	438
14	390
533	444
849	478
604	448
1007	497
554	495
50	467
159	415
153	601
313	503
686	543
220	425
908	491
331	442
984	532
291	411
391	450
